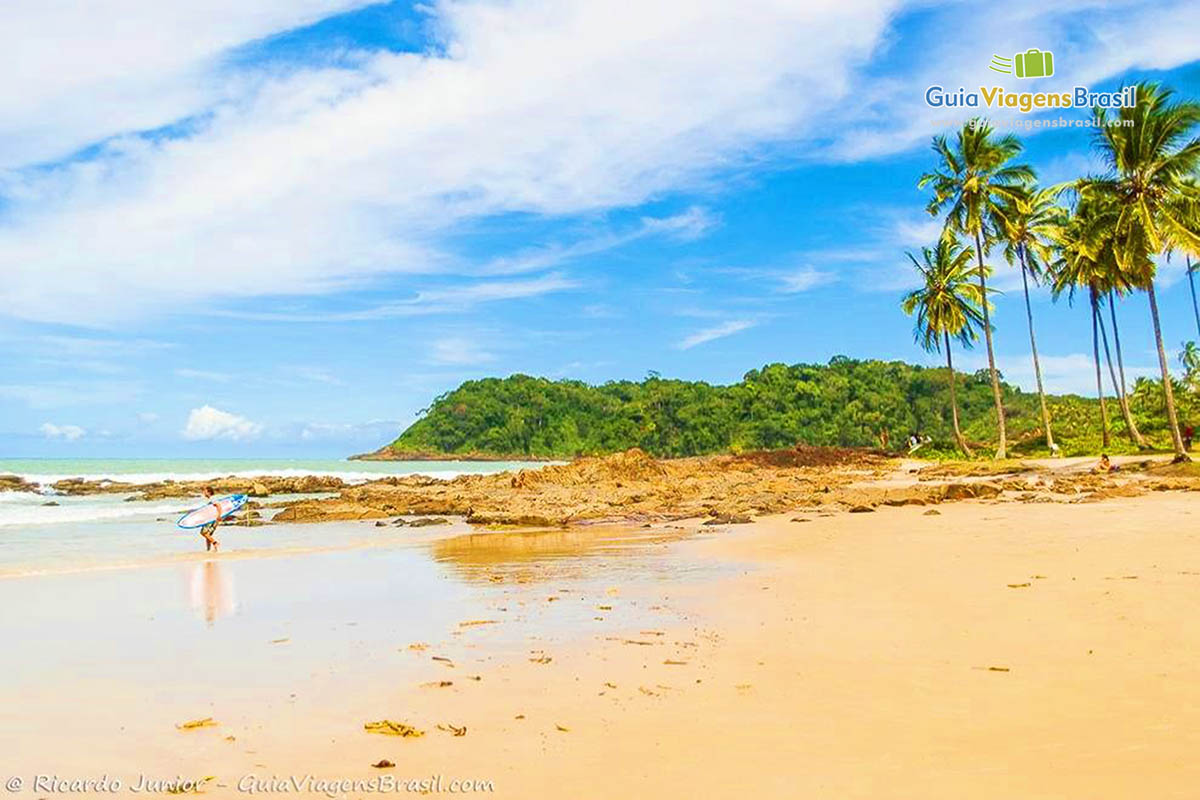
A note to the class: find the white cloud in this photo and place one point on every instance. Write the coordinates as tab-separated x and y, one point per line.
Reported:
715	332
81	72
320	179
70	433
459	351
207	422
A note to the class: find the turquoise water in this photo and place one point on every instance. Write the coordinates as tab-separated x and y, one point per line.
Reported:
148	470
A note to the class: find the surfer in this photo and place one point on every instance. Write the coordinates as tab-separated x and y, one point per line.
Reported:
208	530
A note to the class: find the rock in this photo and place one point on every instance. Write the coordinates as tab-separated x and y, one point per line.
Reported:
933	512
50	503
15	483
729	519
862	509
424	522
970	491
259	490
326	511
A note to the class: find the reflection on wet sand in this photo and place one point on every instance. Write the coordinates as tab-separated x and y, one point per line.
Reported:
533	555
211	591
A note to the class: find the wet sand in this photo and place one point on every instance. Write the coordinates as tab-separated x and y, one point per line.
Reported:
992	650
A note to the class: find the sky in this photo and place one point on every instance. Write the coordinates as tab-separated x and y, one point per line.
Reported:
282	227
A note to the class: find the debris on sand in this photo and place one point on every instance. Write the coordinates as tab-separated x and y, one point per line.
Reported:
1019	585
542	659
437	684
673	663
389	727
473	622
933	512
206	722
383	763
562	728
454	730
418	646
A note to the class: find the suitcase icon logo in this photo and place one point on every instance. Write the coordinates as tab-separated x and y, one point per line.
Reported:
1033	63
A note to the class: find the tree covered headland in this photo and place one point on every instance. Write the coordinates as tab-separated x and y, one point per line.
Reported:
845	403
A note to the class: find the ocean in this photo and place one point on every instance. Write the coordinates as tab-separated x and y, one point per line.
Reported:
46	532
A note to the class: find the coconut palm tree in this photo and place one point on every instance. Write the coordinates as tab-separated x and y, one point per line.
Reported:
1191	273
1029	226
972	183
1117	287
1080	241
948	305
1152	164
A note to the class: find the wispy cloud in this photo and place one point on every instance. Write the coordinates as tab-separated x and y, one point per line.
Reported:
686	226
459	351
449	300
332	177
715	332
203	375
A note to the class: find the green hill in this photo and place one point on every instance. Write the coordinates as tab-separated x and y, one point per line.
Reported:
846	403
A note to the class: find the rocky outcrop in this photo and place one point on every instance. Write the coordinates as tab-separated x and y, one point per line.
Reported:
15	483
629	485
262	486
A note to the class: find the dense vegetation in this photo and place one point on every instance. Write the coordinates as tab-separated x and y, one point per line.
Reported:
845	403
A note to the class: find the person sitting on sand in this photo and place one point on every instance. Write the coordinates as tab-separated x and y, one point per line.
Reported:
208	530
1105	464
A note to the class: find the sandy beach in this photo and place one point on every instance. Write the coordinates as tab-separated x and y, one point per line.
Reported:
990	649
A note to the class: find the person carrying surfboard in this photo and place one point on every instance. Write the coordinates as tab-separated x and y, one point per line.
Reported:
208	530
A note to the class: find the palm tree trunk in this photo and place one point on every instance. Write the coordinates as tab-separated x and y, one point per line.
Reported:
1168	392
1130	427
1099	382
958	437
1126	408
1002	447
1192	283
1037	366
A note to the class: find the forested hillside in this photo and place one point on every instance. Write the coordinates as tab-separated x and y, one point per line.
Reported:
846	402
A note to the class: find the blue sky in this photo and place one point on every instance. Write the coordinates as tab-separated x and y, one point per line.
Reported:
281	228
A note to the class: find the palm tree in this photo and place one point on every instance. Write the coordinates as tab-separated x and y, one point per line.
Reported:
1079	241
1030	223
1191	273
947	306
972	182
1117	288
1152	165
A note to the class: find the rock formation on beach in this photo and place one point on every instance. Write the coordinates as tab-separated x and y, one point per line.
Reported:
259	486
634	486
